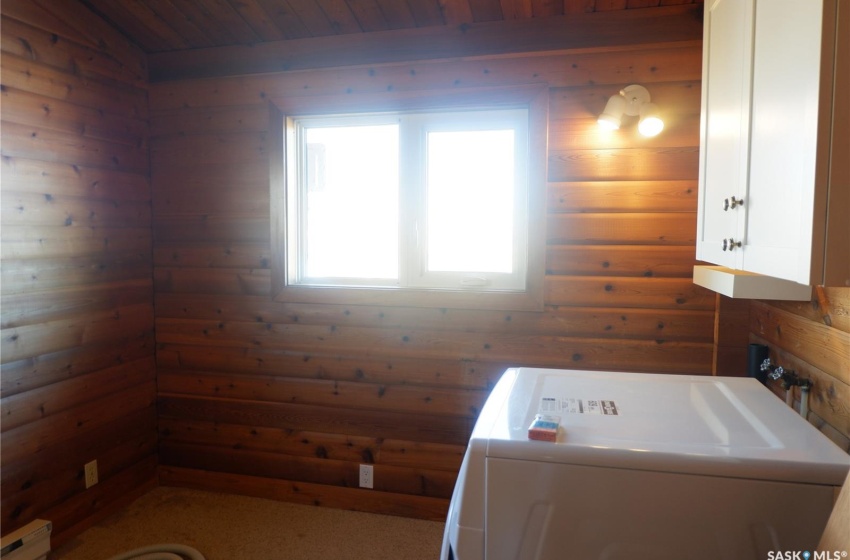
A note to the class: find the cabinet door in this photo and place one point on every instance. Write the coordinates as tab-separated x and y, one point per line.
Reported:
724	127
784	139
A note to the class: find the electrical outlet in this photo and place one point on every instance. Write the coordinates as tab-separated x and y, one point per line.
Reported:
91	473
367	476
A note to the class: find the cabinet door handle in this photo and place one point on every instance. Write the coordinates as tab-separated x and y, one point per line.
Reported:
730	244
733	204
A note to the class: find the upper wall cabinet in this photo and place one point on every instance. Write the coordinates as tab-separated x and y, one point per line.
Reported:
774	194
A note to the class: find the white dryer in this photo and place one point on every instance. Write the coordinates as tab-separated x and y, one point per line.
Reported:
645	466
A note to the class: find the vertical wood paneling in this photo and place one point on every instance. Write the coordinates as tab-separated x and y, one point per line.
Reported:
731	327
78	369
240	371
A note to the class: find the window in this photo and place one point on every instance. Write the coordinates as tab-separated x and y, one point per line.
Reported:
433	205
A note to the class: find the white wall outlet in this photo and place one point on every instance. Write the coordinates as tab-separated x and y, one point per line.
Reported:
367	476
91	473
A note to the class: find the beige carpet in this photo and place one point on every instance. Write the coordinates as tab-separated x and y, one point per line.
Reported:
228	527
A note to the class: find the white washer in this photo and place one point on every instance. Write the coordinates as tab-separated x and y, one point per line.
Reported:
645	466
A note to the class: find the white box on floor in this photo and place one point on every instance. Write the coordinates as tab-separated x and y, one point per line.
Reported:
30	542
644	466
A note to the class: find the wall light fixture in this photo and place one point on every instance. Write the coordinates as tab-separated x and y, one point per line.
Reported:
632	101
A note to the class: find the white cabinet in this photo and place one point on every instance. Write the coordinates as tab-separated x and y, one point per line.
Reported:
774	193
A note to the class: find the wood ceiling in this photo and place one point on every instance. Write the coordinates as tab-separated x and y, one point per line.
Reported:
160	26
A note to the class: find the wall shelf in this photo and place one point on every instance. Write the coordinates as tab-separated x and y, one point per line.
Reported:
742	284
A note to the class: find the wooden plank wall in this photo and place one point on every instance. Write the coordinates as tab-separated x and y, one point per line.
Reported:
813	339
78	364
286	400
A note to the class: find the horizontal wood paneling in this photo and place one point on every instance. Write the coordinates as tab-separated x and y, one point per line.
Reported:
205	228
50	430
26	474
664	228
44	242
331	420
169	152
315	470
837	309
301	394
38	275
77	26
333	393
78	365
29	109
825	347
41	209
69	55
310	365
22	141
248	118
251	281
800	339
82	510
27	307
33	340
37	486
621	260
44	369
113	98
653	293
72	180
198	255
662	163
623	196
519	349
28	407
399	453
565	321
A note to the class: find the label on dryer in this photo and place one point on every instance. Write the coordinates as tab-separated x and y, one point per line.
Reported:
609	408
568	405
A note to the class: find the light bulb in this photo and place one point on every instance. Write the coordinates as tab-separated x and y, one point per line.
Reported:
650	123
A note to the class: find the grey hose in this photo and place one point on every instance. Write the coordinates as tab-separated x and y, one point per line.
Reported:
161	552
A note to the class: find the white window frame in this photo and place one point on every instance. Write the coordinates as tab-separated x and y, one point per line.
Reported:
416	289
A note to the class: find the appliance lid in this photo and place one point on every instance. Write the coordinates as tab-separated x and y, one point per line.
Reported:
720	426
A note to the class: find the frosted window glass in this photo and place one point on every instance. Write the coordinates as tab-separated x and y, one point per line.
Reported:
352	202
470	201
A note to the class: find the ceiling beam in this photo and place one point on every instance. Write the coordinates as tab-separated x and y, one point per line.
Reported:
576	31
